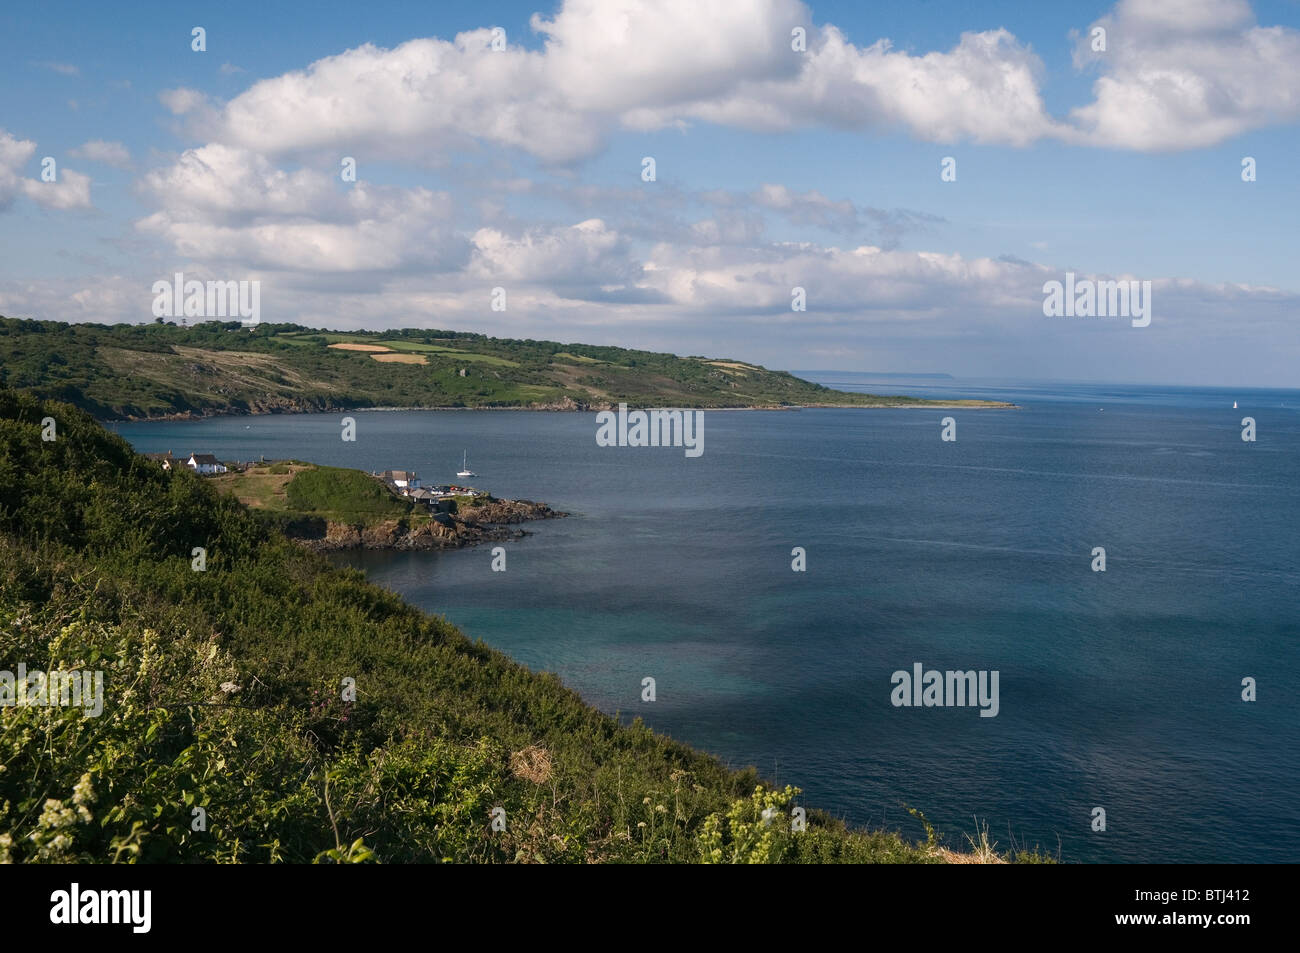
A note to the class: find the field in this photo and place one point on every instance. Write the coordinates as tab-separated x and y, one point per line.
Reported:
399	358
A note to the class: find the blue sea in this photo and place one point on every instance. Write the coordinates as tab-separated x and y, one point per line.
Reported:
1119	690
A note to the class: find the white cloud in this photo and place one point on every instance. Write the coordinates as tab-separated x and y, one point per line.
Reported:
620	56
983	90
225	204
70	189
586	253
1183	74
423	97
14	153
631	64
100	150
1175	75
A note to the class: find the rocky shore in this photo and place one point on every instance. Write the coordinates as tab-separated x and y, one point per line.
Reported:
493	521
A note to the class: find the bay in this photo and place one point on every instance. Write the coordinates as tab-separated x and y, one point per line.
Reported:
1119	690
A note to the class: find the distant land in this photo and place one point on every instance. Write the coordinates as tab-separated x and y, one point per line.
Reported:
165	371
902	376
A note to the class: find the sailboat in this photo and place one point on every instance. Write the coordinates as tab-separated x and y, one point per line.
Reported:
1234	405
464	470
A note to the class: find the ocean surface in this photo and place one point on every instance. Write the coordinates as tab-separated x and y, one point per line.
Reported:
1119	689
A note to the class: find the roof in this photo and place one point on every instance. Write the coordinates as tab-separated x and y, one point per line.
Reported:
205	459
160	456
399	474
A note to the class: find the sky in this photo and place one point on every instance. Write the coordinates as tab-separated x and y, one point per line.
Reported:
795	146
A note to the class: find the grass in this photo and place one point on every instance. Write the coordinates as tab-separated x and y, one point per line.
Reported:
304	489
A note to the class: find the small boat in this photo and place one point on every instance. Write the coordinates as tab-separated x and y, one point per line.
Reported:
1234	405
464	470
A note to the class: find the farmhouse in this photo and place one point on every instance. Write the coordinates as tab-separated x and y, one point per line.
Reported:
204	463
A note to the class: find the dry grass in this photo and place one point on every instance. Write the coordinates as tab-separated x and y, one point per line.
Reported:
259	487
531	764
361	347
982	851
209	373
399	358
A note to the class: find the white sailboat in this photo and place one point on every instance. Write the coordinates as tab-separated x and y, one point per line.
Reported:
1234	405
464	470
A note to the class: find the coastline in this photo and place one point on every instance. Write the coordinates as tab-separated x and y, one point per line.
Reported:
493	522
191	416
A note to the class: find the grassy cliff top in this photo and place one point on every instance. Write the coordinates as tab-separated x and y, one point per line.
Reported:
339	494
161	370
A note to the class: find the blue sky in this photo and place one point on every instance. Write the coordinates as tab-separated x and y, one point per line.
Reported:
775	168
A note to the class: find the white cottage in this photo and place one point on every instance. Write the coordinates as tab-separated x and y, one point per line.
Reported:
204	463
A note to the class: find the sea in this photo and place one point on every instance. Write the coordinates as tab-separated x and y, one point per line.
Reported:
774	585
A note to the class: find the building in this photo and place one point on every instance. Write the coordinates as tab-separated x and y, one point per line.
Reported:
204	463
166	459
401	478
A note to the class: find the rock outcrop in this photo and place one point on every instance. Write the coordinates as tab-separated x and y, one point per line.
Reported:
490	522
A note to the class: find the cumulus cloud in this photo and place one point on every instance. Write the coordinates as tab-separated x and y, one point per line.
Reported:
632	64
1175	75
626	56
222	203
424	96
70	190
1182	74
